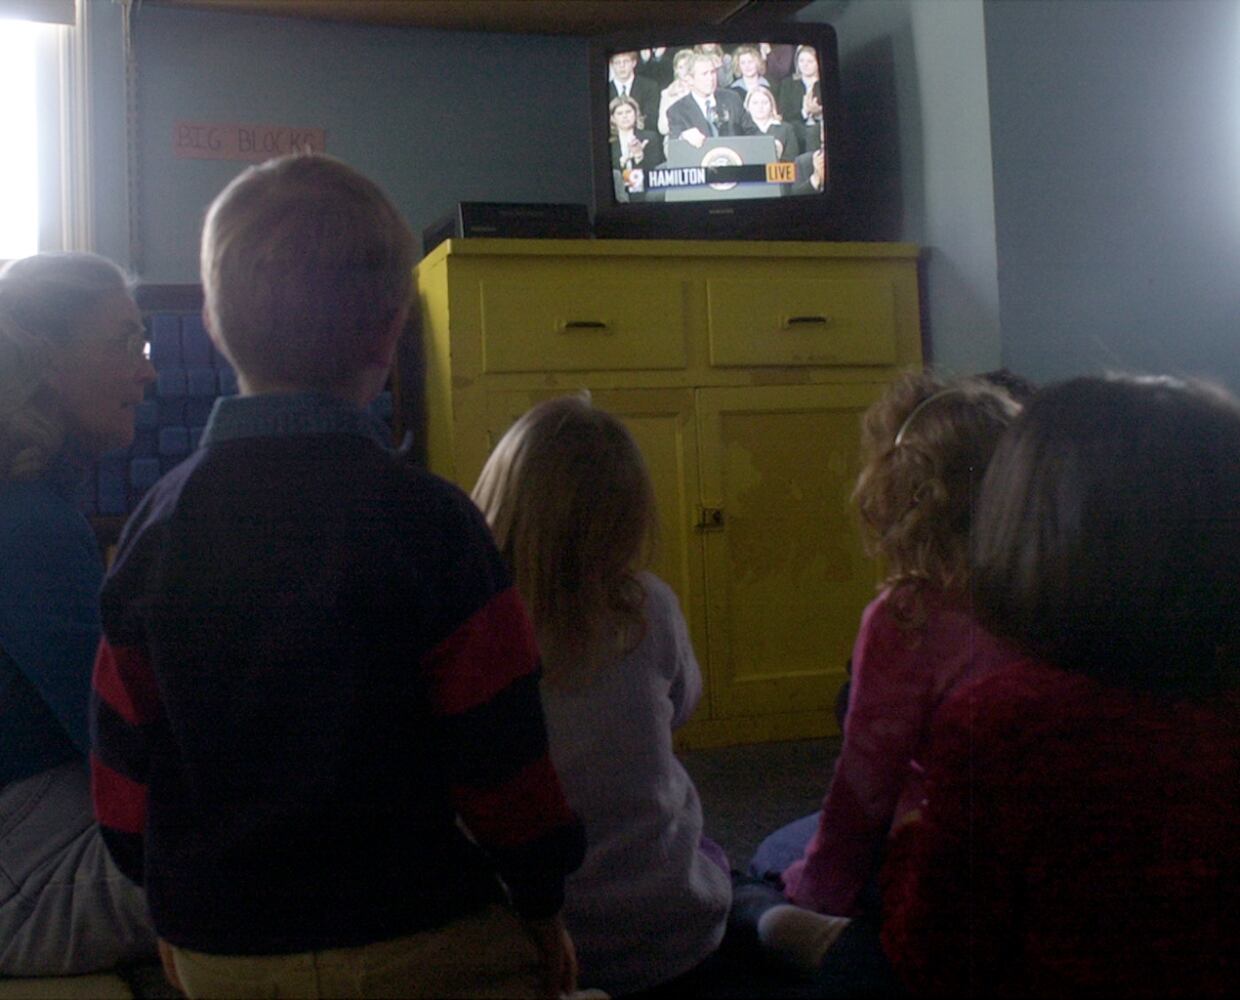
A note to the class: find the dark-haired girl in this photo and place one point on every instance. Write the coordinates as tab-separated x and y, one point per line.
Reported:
1081	835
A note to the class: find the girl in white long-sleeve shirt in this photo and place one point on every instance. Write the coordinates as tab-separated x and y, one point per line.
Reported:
569	499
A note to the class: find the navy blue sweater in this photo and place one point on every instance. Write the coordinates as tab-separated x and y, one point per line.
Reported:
50	573
313	663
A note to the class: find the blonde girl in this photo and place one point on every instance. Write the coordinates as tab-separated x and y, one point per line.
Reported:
570	502
925	446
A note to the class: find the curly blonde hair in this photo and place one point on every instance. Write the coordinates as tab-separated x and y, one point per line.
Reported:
570	503
925	446
42	300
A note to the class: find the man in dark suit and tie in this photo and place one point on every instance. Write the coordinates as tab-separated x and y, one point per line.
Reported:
624	81
707	110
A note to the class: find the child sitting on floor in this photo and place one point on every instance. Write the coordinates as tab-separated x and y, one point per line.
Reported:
318	738
925	446
1080	836
570	501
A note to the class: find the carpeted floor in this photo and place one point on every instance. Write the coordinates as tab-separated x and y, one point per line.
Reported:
750	791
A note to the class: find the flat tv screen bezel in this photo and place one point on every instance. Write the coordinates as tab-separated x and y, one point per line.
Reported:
803	217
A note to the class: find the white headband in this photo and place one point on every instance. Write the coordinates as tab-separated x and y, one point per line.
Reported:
953	390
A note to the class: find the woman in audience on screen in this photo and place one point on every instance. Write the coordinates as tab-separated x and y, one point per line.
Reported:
751	69
634	150
925	445
1080	836
73	367
800	98
760	103
674	91
572	507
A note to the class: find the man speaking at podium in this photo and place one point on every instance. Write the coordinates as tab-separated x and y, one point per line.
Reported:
707	111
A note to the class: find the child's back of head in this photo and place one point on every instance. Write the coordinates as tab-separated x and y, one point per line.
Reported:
925	446
1108	533
570	502
307	274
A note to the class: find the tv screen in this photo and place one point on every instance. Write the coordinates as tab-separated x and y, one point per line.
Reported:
707	132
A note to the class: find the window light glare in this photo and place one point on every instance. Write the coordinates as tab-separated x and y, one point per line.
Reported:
19	166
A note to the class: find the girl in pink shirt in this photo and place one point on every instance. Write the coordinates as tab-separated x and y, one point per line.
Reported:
925	446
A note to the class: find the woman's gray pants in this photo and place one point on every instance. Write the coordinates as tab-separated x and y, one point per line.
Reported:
65	908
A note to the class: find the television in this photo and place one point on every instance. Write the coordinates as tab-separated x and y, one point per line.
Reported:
717	132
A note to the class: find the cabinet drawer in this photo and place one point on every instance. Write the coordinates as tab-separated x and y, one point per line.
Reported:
579	319
802	321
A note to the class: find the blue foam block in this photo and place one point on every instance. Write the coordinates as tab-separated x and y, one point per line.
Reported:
113	489
171	382
143	473
195	344
201	382
172	412
165	339
174	441
197	409
146	415
143	444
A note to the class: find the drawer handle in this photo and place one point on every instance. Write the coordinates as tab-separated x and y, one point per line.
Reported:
802	322
584	326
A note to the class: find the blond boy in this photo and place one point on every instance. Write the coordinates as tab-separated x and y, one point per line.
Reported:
318	739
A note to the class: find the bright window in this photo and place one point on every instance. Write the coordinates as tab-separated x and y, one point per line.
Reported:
46	200
19	166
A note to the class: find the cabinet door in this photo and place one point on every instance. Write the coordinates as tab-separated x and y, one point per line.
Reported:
662	423
786	573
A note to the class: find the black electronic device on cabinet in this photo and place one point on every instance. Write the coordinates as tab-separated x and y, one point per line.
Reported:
544	220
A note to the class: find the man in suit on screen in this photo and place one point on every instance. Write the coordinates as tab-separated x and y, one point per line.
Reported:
623	81
707	110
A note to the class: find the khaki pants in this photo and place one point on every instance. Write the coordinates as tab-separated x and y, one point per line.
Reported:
488	954
484	954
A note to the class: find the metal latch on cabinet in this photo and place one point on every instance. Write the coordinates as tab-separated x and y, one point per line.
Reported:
710	519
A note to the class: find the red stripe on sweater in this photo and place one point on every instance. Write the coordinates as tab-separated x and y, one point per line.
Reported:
528	806
492	648
124	679
120	802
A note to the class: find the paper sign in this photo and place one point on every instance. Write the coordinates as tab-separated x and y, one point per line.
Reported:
248	143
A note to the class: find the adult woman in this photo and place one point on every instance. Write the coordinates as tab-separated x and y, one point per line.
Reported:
800	98
633	149
679	86
760	104
1079	834
748	61
72	369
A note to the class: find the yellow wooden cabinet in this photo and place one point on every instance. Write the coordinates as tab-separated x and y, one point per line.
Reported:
742	370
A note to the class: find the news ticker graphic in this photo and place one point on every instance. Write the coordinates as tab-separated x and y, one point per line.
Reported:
662	178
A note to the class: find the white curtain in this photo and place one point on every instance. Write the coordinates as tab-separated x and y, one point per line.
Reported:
46	11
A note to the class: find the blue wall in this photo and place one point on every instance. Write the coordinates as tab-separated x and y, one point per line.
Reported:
1110	153
1116	145
913	81
434	117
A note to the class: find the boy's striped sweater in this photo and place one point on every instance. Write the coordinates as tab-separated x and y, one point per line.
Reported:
316	719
